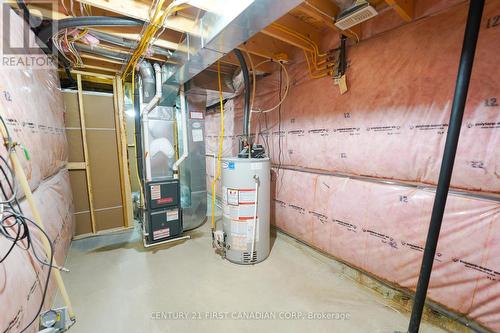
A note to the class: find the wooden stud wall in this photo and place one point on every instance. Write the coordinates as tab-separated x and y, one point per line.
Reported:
88	131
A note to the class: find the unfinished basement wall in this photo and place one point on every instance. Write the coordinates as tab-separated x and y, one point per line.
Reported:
102	167
355	174
32	104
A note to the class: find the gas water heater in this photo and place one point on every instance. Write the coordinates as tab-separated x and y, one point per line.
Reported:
246	207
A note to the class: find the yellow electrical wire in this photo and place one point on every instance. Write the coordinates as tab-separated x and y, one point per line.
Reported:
314	52
315	49
221	143
150	33
152	29
311	75
300	36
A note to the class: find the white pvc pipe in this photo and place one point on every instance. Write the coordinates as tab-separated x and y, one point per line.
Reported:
255	216
145	121
184	132
165	242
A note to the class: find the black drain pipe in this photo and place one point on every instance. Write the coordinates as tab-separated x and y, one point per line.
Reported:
450	149
246	107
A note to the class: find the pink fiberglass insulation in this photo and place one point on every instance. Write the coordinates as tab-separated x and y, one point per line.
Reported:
391	124
21	276
31	101
381	228
32	104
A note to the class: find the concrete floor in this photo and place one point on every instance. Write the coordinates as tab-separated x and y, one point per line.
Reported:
118	286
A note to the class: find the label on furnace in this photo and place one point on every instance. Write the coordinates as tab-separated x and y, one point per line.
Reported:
172	215
162	233
197	135
196	115
155	192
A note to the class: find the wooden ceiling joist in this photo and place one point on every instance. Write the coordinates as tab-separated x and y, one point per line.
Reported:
92	64
122	32
405	8
295	25
276	33
263	46
96	57
304	28
230	58
140	11
320	10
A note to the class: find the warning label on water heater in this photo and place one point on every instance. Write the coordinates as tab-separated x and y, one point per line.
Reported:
246	197
240	212
242	232
232	197
239	204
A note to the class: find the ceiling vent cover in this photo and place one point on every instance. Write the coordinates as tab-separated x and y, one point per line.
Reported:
359	12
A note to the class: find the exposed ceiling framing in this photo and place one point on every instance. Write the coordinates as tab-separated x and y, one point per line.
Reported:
310	20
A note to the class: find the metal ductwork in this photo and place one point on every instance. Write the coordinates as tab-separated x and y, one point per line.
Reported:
147	74
222	30
169	91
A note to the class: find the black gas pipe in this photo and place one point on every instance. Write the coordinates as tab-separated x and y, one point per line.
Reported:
457	111
246	107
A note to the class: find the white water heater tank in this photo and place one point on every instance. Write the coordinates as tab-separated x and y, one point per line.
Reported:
246	208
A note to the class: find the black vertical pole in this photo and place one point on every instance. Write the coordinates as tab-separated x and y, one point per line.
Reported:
450	149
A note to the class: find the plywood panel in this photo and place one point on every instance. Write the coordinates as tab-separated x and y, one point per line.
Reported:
83	224
109	218
79	188
80	201
71	117
103	158
99	110
75	145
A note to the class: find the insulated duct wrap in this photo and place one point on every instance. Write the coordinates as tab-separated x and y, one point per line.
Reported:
31	100
390	126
